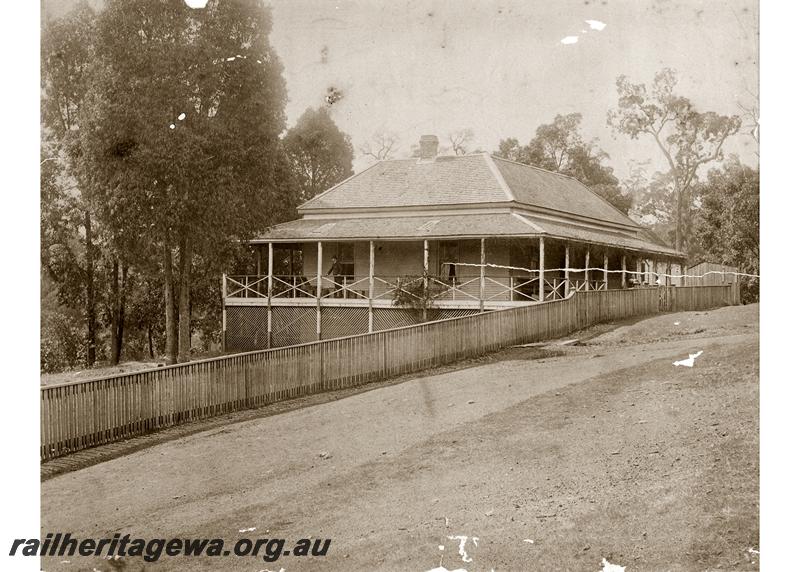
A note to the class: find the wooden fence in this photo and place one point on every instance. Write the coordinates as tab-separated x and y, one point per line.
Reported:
84	414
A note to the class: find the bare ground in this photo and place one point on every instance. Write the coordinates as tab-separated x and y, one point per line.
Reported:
552	458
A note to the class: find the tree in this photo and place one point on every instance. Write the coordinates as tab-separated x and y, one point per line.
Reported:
381	146
180	139
68	249
460	139
728	228
319	153
560	147
687	138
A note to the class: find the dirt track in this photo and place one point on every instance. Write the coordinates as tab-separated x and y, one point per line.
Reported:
605	450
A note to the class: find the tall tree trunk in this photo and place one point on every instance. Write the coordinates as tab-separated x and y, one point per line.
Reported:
170	332
118	326
184	310
91	310
150	340
114	312
678	215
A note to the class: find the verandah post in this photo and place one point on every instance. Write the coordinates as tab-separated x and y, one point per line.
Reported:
541	269
425	280
224	308
605	270
483	274
566	270
586	270
624	272
371	282
269	295
319	290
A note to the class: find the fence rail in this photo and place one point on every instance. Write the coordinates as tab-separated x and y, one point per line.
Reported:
83	414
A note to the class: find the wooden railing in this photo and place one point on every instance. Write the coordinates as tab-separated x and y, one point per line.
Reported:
465	288
84	414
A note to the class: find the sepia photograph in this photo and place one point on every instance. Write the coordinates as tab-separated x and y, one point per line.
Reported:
433	286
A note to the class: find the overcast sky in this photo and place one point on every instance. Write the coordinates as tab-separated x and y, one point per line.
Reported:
500	67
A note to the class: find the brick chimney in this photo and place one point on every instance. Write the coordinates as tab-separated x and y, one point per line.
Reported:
428	147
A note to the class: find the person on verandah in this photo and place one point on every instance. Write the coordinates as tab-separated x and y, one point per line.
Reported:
336	270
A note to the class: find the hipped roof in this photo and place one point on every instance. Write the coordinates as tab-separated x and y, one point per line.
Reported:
475	195
464	180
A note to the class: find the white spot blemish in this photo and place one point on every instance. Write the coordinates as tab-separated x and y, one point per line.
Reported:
688	362
609	567
676	324
196	3
596	24
443	569
528	540
251	529
569	40
441	547
172	126
753	551
230	59
181	117
462	545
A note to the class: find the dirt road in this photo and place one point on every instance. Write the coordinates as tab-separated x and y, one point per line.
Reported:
536	459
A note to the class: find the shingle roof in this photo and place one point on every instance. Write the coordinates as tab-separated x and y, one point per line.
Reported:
467	179
456	225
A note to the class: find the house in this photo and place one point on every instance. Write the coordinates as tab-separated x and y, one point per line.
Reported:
434	237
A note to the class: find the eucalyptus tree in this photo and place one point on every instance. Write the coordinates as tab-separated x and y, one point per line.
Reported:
686	137
180	137
69	249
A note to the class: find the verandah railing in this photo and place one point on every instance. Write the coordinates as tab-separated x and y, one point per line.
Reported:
460	288
83	414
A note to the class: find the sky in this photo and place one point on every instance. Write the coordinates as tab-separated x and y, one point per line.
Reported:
500	68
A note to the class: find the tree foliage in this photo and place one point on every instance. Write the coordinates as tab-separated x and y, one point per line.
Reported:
560	147
686	137
319	153
180	136
68	246
728	229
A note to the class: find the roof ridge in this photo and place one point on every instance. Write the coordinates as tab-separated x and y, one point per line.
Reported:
397	160
493	156
501	180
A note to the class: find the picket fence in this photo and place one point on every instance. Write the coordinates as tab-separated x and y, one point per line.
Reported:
83	414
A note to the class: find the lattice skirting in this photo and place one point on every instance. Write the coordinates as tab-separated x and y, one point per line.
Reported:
247	325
